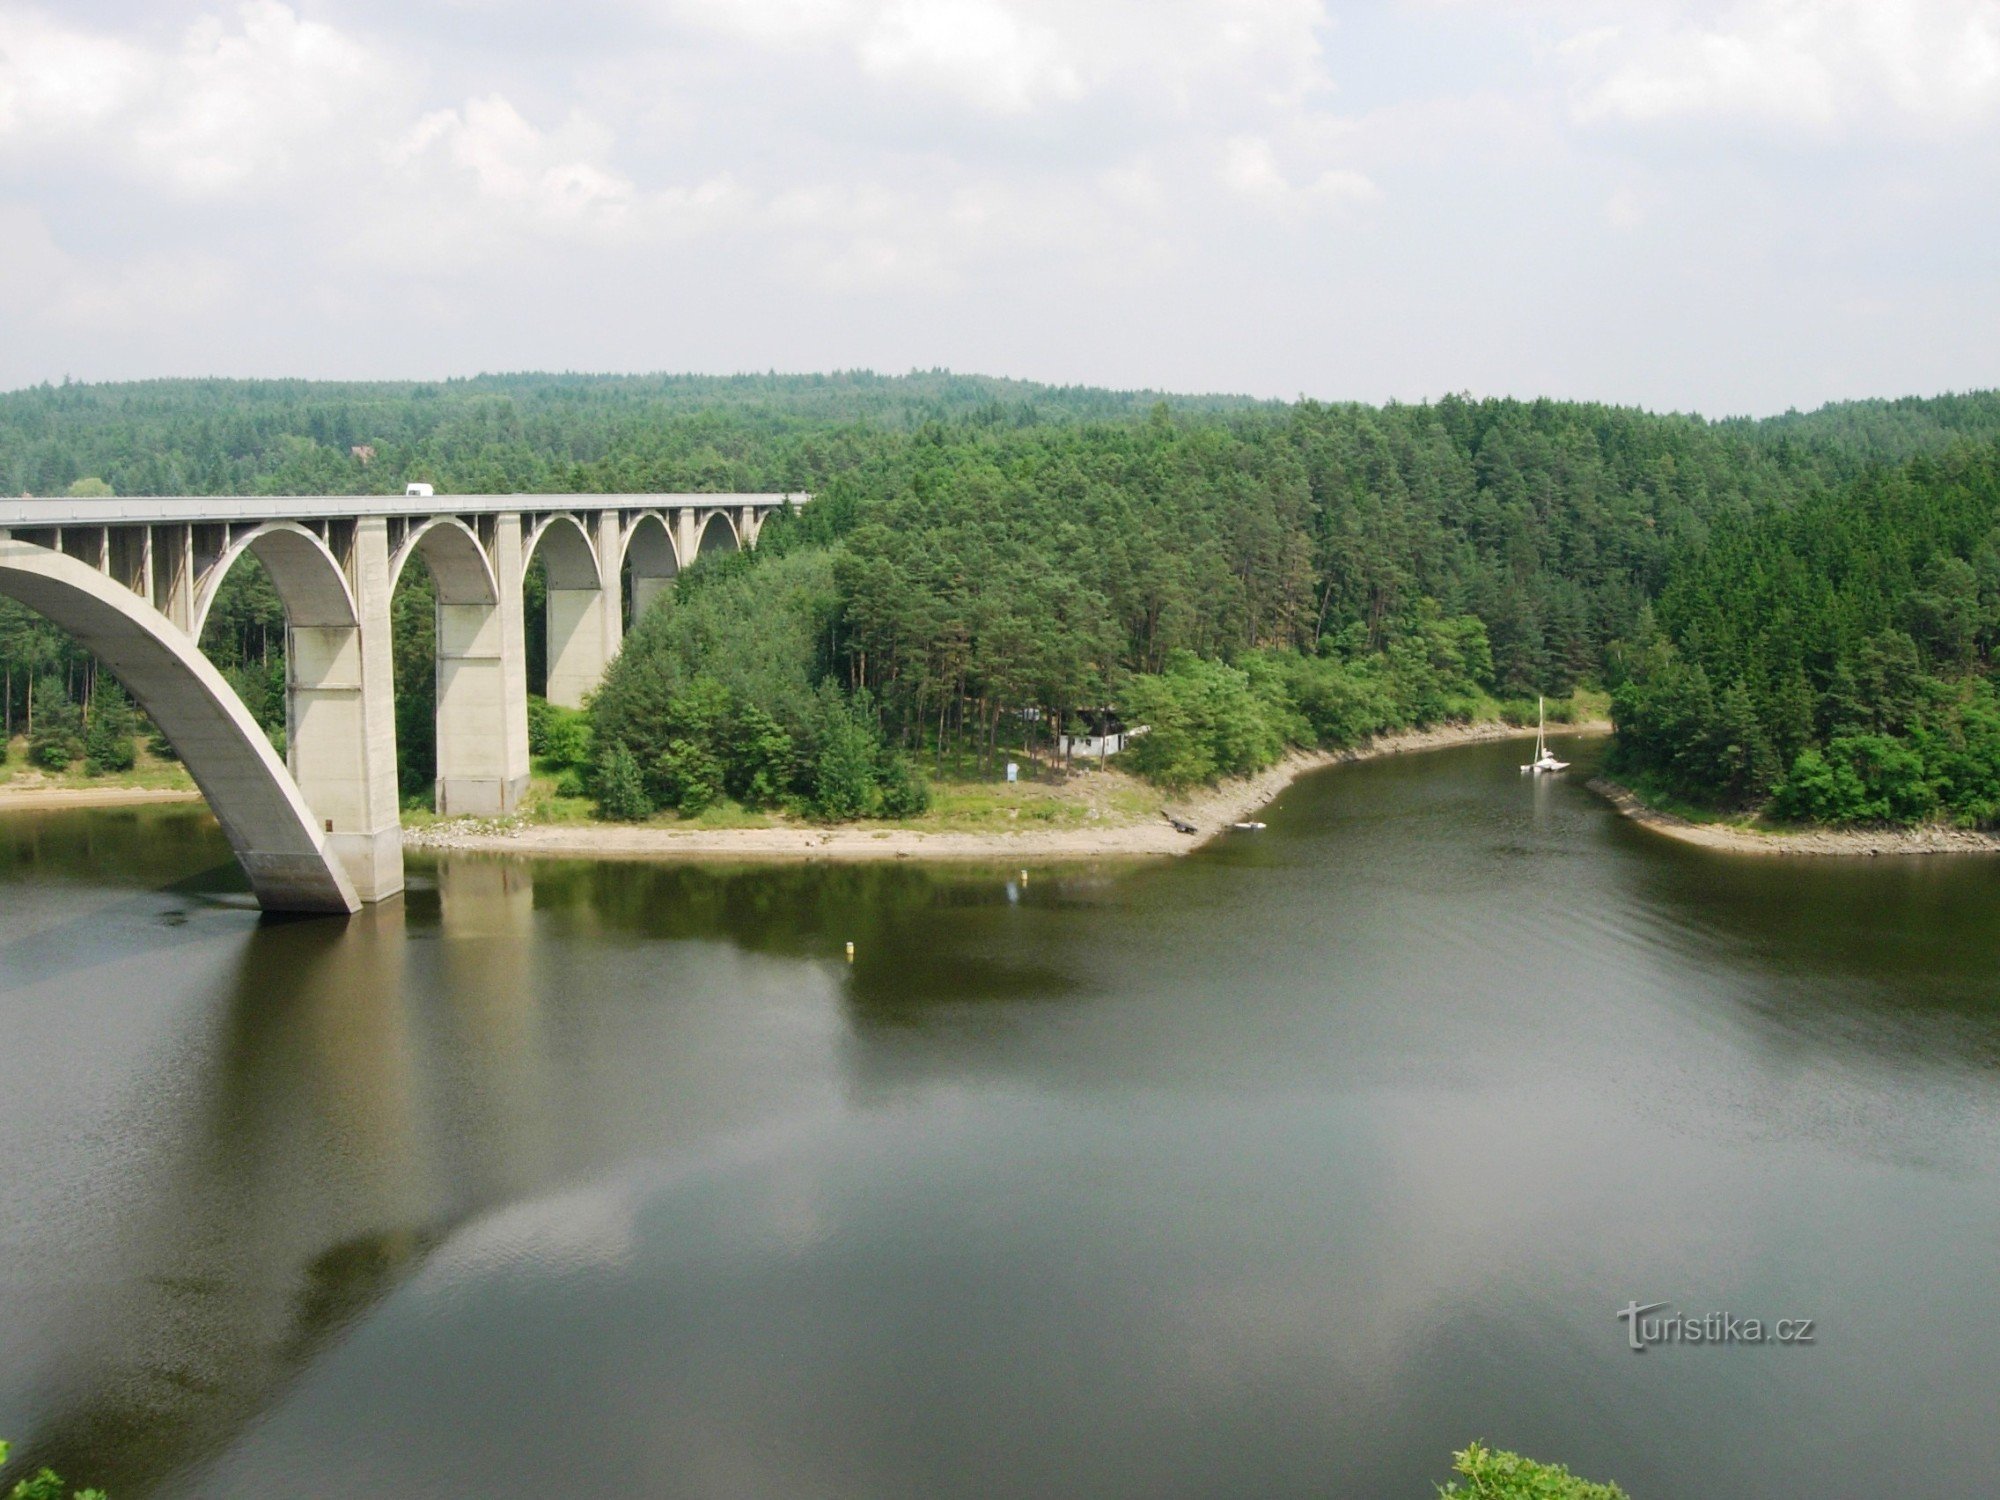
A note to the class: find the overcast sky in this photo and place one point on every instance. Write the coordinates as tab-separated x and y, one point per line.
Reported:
1716	205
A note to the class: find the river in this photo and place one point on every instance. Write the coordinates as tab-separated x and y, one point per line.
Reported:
1282	1169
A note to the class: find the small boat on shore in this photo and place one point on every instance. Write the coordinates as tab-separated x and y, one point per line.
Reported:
1544	763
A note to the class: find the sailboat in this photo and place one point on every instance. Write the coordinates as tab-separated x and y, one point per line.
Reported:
1544	763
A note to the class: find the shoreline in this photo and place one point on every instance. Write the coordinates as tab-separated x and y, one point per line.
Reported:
1211	809
57	798
1850	843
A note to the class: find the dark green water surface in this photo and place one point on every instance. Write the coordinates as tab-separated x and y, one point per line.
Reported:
1280	1170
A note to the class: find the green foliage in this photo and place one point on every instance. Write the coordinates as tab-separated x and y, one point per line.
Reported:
1859	778
905	793
621	788
44	1484
57	737
687	776
762	762
413	653
1831	660
1203	720
726	688
844	765
1495	1474
107	743
558	734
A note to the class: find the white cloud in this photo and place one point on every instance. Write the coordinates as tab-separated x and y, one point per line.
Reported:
1812	65
1013	57
982	51
43	284
1018	185
553	181
257	97
1250	168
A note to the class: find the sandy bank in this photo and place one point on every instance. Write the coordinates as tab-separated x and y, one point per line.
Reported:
22	799
1210	809
1929	839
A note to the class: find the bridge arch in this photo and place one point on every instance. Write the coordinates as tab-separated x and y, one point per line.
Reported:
563	545
309	580
326	738
718	534
457	561
262	812
580	627
651	561
471	775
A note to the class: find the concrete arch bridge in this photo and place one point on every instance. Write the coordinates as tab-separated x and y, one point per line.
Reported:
317	830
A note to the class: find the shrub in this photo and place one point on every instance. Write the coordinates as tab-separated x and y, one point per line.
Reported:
107	744
846	744
761	760
57	739
905	793
1495	1474
558	734
1859	778
44	1484
689	777
621	788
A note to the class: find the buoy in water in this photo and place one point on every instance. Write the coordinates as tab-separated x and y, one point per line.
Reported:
850	953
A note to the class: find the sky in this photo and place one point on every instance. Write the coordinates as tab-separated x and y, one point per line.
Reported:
1722	206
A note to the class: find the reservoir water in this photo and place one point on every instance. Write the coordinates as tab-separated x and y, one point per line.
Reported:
1280	1170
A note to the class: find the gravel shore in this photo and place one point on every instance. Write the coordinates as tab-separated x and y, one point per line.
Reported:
1850	842
1210	809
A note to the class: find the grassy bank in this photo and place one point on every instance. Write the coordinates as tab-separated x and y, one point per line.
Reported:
149	773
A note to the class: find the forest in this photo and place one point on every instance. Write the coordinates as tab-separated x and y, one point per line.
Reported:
989	563
1830	662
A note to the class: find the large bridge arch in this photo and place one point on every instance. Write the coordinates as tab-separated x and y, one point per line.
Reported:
471	684
650	559
580	637
326	736
262	812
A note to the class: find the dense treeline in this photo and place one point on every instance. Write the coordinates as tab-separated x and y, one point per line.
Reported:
988	563
1832	660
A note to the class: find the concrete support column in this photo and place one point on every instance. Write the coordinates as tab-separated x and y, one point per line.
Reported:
471	705
687	535
341	725
607	540
584	622
576	644
173	551
510	571
646	587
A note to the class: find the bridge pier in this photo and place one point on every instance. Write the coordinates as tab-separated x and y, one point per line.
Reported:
341	715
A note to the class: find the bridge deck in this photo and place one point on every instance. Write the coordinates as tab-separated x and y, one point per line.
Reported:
158	509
